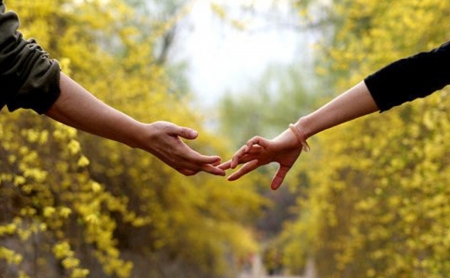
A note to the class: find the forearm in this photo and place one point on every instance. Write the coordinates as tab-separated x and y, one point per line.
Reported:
78	108
354	103
401	81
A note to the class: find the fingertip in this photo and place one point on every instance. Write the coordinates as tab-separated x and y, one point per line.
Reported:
192	134
234	163
224	166
248	146
188	133
276	183
213	170
233	177
215	160
275	186
218	173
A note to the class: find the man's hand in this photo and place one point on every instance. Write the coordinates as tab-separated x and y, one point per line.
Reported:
80	109
164	142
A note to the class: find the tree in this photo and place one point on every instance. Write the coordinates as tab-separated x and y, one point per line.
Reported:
82	206
376	196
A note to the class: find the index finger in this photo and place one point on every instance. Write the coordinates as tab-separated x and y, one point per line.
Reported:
256	143
257	140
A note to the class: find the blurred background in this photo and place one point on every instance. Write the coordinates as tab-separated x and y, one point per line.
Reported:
369	200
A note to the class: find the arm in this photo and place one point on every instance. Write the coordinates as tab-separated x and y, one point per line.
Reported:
352	104
403	80
78	108
29	79
286	147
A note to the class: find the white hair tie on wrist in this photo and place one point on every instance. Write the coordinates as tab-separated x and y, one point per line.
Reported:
299	136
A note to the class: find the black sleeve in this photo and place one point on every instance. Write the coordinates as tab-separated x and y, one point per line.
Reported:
28	78
407	79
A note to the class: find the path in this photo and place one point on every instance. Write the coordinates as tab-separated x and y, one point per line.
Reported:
258	271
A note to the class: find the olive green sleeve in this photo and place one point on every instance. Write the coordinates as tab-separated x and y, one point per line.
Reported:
28	78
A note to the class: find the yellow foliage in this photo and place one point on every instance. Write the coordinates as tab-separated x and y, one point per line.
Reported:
378	201
91	205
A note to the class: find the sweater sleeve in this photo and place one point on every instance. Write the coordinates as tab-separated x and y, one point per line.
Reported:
407	79
28	78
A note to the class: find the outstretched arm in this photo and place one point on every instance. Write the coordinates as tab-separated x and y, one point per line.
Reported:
404	80
78	108
286	147
352	104
29	79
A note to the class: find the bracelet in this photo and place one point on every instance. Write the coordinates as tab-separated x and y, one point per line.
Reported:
299	136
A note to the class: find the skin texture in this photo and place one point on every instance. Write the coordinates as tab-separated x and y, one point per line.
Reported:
78	108
285	148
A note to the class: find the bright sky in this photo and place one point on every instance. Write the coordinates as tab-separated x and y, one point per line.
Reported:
224	59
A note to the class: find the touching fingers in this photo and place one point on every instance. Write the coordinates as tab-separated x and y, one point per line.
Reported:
248	167
238	157
214	160
213	170
190	169
225	166
205	163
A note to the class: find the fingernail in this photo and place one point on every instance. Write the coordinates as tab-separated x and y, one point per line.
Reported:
193	133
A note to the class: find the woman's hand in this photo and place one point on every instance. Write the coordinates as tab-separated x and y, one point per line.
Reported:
259	151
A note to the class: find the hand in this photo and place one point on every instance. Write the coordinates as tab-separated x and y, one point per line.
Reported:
78	108
259	151
162	139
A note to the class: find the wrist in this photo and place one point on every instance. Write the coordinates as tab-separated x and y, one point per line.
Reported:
300	137
303	126
138	135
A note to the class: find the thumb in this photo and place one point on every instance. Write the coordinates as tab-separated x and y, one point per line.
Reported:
187	133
